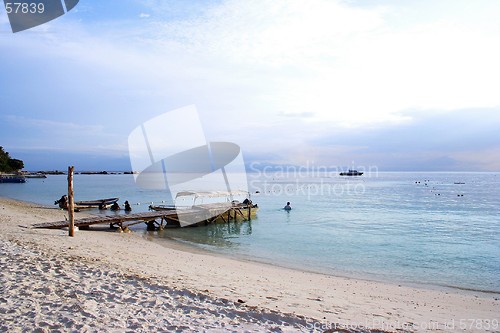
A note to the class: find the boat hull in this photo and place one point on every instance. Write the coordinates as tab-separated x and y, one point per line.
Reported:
89	204
351	173
96	203
12	179
35	176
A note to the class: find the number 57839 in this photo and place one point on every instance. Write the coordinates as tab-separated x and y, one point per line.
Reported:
24	8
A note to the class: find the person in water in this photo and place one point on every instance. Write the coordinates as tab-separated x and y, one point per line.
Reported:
127	207
288	207
115	206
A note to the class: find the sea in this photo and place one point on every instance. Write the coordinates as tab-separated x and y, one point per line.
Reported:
438	229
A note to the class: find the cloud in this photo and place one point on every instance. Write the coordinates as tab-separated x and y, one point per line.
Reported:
302	115
144	15
50	125
430	141
341	63
296	80
271	34
448	131
338	61
25	134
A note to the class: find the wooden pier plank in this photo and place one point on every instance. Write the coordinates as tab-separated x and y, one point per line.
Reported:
106	219
208	210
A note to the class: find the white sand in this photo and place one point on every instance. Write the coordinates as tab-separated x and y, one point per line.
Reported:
106	281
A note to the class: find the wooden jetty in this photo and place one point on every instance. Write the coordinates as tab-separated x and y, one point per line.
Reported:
200	214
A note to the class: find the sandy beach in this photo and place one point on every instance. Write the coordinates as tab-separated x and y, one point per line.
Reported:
109	281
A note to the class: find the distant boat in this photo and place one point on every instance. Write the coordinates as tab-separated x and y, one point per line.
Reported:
12	179
35	175
351	173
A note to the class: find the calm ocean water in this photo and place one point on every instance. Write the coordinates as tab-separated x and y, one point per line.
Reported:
398	227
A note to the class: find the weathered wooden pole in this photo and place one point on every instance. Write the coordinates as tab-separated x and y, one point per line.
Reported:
71	202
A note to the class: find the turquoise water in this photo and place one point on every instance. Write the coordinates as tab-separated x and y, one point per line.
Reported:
399	227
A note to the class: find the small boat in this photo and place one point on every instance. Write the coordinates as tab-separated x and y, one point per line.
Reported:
234	209
96	203
12	179
35	175
351	173
88	204
161	207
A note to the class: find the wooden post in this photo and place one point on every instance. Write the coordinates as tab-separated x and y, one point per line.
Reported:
71	202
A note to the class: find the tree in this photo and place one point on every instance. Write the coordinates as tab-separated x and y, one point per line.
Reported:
8	164
4	159
15	164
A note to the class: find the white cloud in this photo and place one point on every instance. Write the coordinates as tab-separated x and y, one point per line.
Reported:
322	64
64	136
344	64
50	125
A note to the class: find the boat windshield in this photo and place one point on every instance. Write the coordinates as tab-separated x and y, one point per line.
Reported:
196	197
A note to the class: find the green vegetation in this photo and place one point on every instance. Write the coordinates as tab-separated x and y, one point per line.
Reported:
8	164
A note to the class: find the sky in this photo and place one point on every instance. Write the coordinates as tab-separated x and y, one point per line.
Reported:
398	85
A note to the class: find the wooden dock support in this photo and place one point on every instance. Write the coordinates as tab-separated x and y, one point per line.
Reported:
71	202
